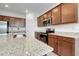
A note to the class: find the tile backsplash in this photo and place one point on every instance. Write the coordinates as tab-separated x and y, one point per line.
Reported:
73	27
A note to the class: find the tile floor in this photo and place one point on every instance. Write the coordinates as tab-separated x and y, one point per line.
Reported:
52	54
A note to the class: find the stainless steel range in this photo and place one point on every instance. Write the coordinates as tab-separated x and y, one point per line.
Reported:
44	36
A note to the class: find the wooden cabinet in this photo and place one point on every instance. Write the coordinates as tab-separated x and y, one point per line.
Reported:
12	22
66	46
1	18
56	15
52	41
17	22
20	22
69	12
49	14
40	21
63	13
45	16
5	18
63	46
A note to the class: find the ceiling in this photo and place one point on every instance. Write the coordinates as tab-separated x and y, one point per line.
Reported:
20	8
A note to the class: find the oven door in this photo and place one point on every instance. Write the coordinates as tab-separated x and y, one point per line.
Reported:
43	37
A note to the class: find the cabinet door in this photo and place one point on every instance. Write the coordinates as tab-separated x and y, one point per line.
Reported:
40	21
60	47
65	48
12	21
69	12
1	18
5	18
45	17
52	41
18	22
49	14
21	22
56	15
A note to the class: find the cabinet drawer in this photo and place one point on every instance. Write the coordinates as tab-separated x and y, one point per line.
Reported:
68	39
52	36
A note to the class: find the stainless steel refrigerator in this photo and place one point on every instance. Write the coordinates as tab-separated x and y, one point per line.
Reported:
3	27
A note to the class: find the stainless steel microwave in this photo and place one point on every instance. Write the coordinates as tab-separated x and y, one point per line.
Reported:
47	22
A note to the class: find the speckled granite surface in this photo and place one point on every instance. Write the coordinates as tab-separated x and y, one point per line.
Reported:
21	46
66	34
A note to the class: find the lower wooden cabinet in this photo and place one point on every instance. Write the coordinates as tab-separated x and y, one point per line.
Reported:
37	35
52	41
63	46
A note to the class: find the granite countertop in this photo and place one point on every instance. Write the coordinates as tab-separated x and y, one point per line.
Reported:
66	34
21	46
37	48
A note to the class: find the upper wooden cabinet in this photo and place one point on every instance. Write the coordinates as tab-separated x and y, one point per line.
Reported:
56	15
45	16
49	14
69	12
1	18
40	21
21	22
63	13
12	22
5	18
17	22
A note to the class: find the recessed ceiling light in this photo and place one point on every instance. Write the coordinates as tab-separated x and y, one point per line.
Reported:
6	5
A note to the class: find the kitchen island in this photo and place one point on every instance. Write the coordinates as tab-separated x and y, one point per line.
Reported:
22	46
